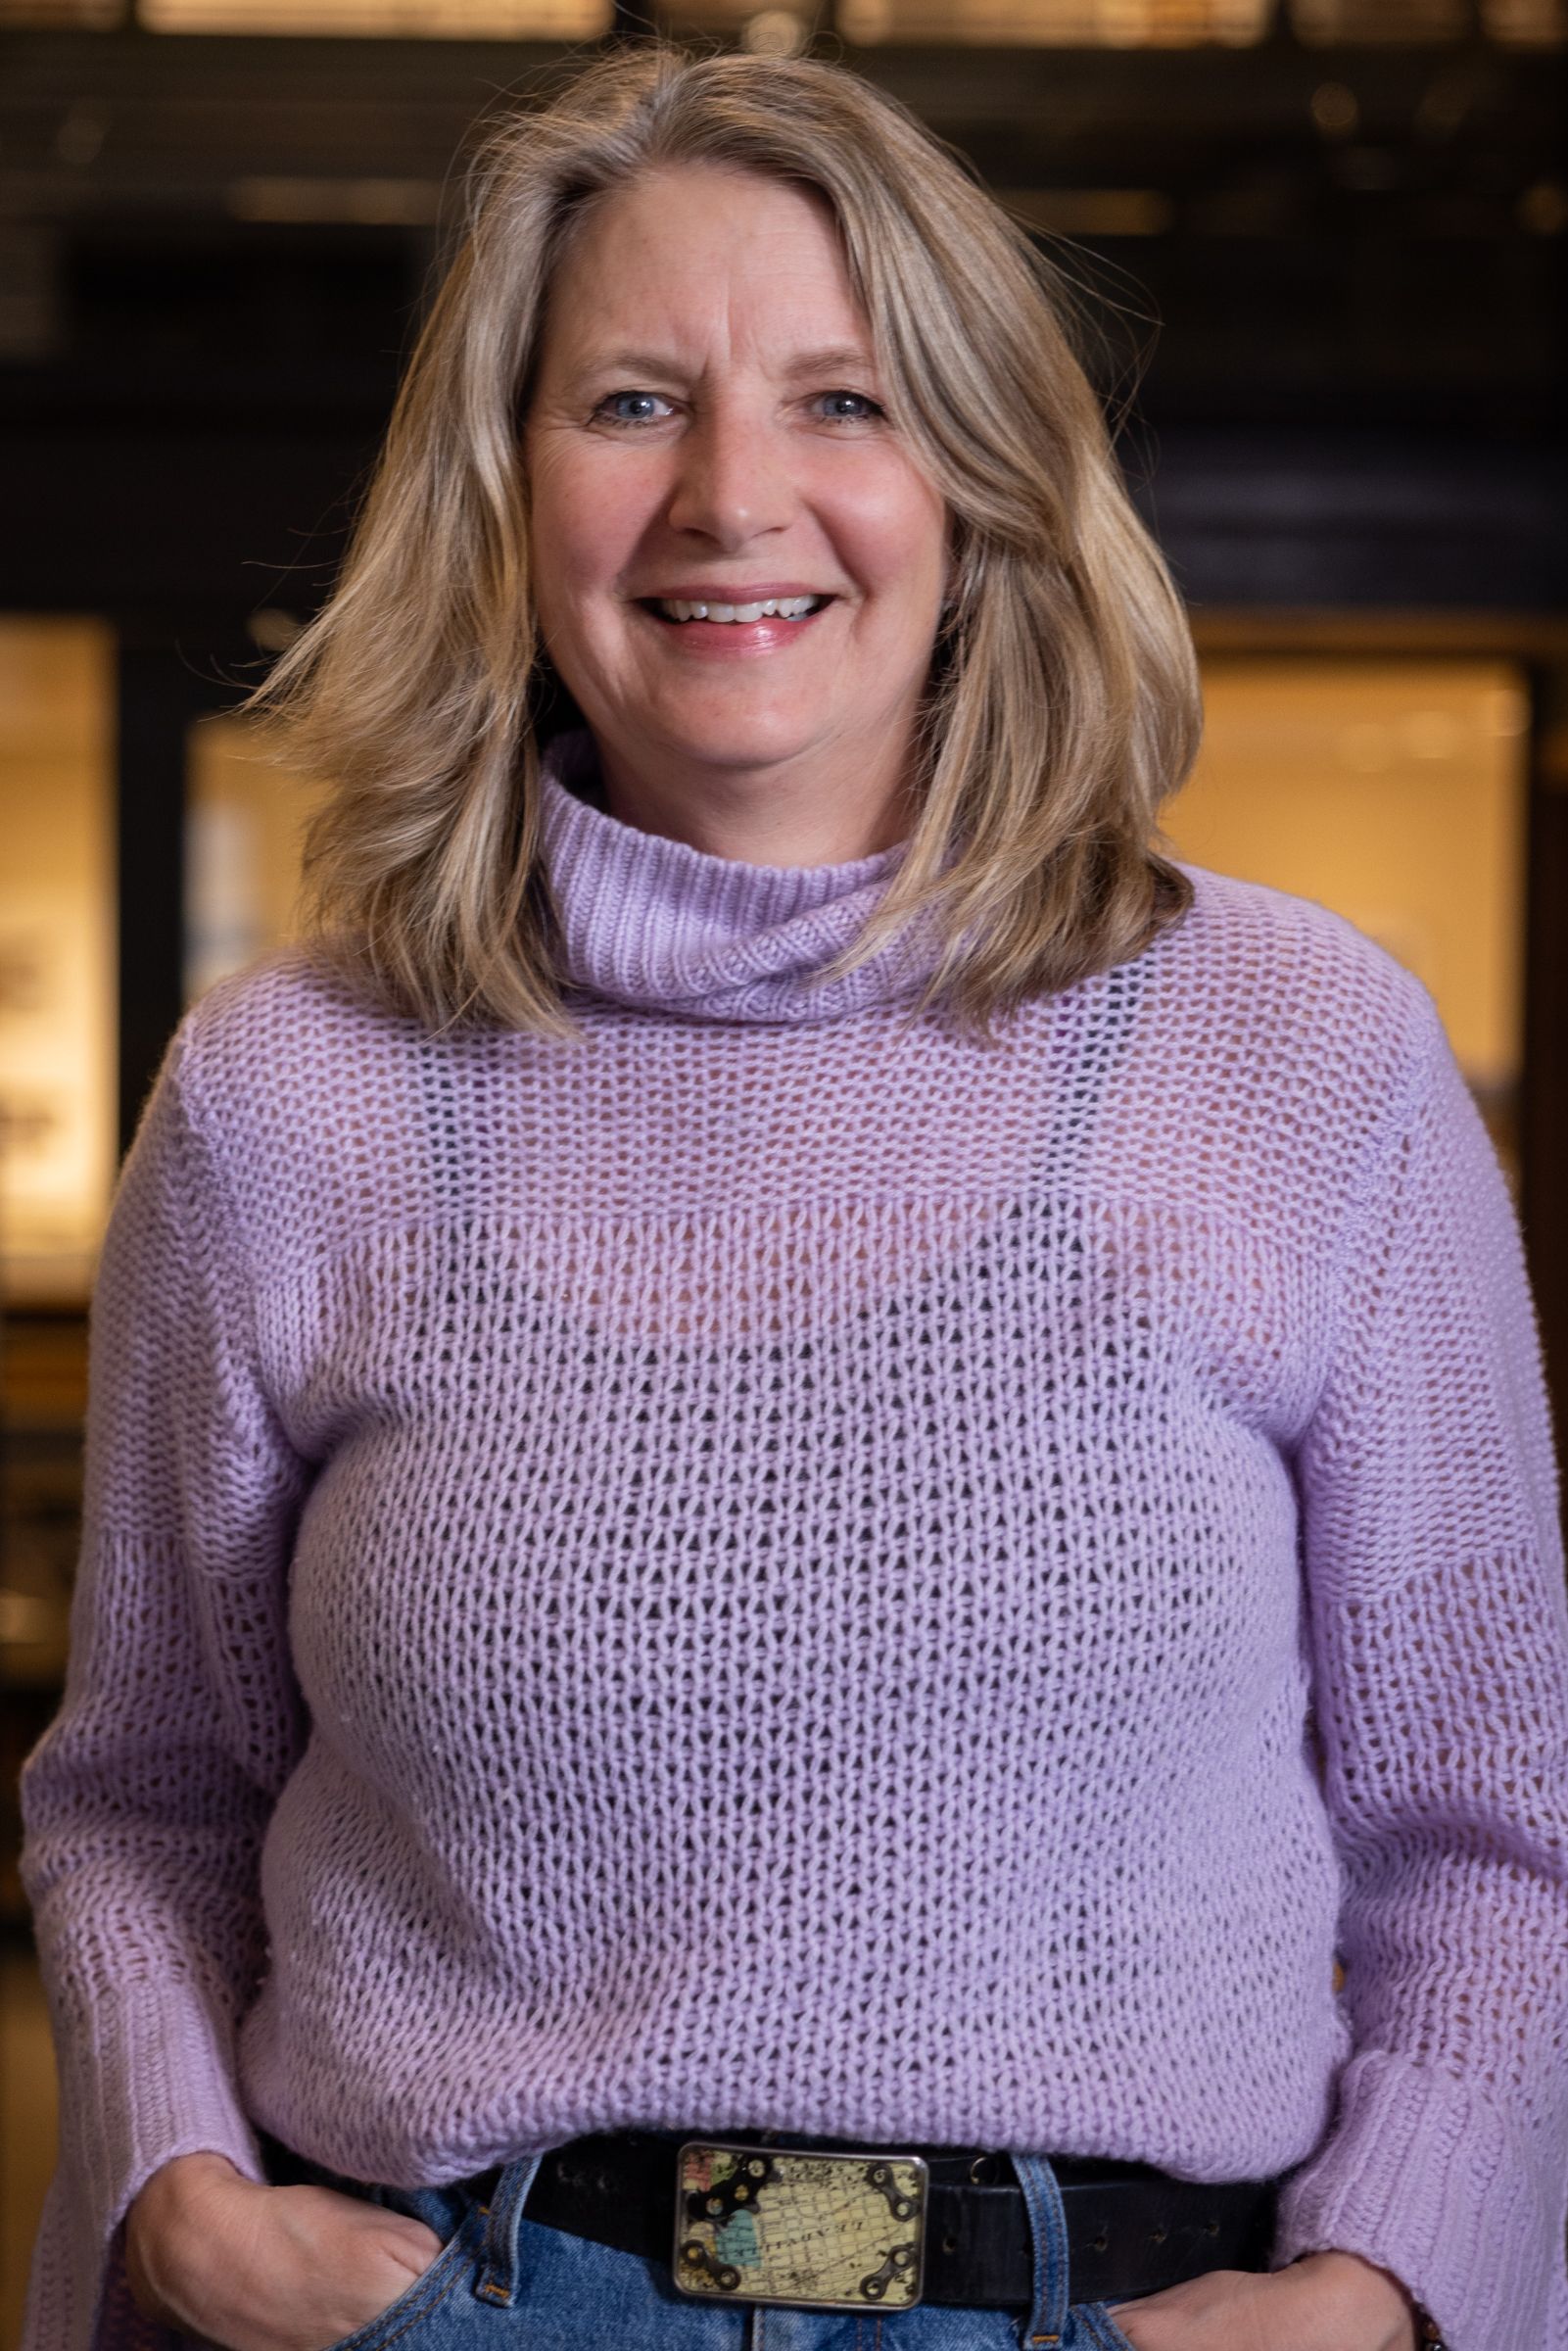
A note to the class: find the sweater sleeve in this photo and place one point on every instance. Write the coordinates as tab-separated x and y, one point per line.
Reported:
145	1800
1438	1625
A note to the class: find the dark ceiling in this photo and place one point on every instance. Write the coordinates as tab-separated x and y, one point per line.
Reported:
1331	282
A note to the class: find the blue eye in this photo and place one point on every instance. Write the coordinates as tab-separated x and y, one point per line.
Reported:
864	398
610	397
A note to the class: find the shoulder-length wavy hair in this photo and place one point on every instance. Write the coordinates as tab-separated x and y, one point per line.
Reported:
1064	700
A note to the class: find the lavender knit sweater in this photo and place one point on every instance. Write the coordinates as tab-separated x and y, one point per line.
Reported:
757	1572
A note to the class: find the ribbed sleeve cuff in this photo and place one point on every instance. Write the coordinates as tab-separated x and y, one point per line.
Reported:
144	2080
1421	2175
155	2080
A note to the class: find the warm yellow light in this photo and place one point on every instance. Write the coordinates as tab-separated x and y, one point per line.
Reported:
56	952
1532	24
1064	23
452	20
244	817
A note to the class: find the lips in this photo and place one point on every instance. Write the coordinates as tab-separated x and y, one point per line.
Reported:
728	591
705	640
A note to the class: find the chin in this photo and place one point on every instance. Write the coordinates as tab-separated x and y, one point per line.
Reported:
739	747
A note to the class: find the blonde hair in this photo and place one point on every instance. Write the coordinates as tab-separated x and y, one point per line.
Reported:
1064	702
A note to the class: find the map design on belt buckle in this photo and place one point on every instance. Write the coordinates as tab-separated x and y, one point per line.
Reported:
792	2224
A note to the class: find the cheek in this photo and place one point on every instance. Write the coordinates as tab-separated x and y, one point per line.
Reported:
894	529
582	527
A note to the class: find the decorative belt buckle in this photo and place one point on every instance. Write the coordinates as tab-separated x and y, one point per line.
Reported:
797	2225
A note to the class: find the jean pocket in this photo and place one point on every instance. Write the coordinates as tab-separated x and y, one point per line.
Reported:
425	2296
1098	2329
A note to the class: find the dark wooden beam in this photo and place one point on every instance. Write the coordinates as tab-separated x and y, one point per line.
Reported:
160	692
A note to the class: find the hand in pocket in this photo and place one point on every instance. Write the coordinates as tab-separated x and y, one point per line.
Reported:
249	2268
1327	2301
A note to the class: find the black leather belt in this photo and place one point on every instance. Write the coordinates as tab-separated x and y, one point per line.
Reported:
1132	2228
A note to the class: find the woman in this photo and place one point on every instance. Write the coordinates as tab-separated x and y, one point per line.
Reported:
681	1548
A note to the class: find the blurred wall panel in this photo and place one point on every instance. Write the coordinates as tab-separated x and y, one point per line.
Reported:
1533	23
451	20
1065	24
244	820
56	952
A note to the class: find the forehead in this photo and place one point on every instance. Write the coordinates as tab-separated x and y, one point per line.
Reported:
707	253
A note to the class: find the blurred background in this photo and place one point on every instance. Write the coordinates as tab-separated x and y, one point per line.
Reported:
1325	242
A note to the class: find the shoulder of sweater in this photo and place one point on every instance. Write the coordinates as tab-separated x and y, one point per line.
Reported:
293	1086
281	990
270	1023
1305	982
274	1062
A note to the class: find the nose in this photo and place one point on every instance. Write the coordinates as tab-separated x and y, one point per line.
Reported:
735	477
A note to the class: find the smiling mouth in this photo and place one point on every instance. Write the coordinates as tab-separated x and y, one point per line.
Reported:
678	613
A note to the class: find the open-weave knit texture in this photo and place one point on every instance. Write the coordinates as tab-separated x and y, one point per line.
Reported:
758	1571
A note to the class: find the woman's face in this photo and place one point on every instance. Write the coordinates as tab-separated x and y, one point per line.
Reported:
705	426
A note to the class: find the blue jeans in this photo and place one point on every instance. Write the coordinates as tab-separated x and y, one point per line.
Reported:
504	2283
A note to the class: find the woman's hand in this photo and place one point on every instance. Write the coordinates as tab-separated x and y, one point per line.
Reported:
265	2269
1322	2302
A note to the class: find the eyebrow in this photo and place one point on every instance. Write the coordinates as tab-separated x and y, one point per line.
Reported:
827	362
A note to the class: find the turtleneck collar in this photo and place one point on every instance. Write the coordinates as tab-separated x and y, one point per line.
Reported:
653	923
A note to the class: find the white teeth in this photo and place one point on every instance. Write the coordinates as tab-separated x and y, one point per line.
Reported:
786	607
